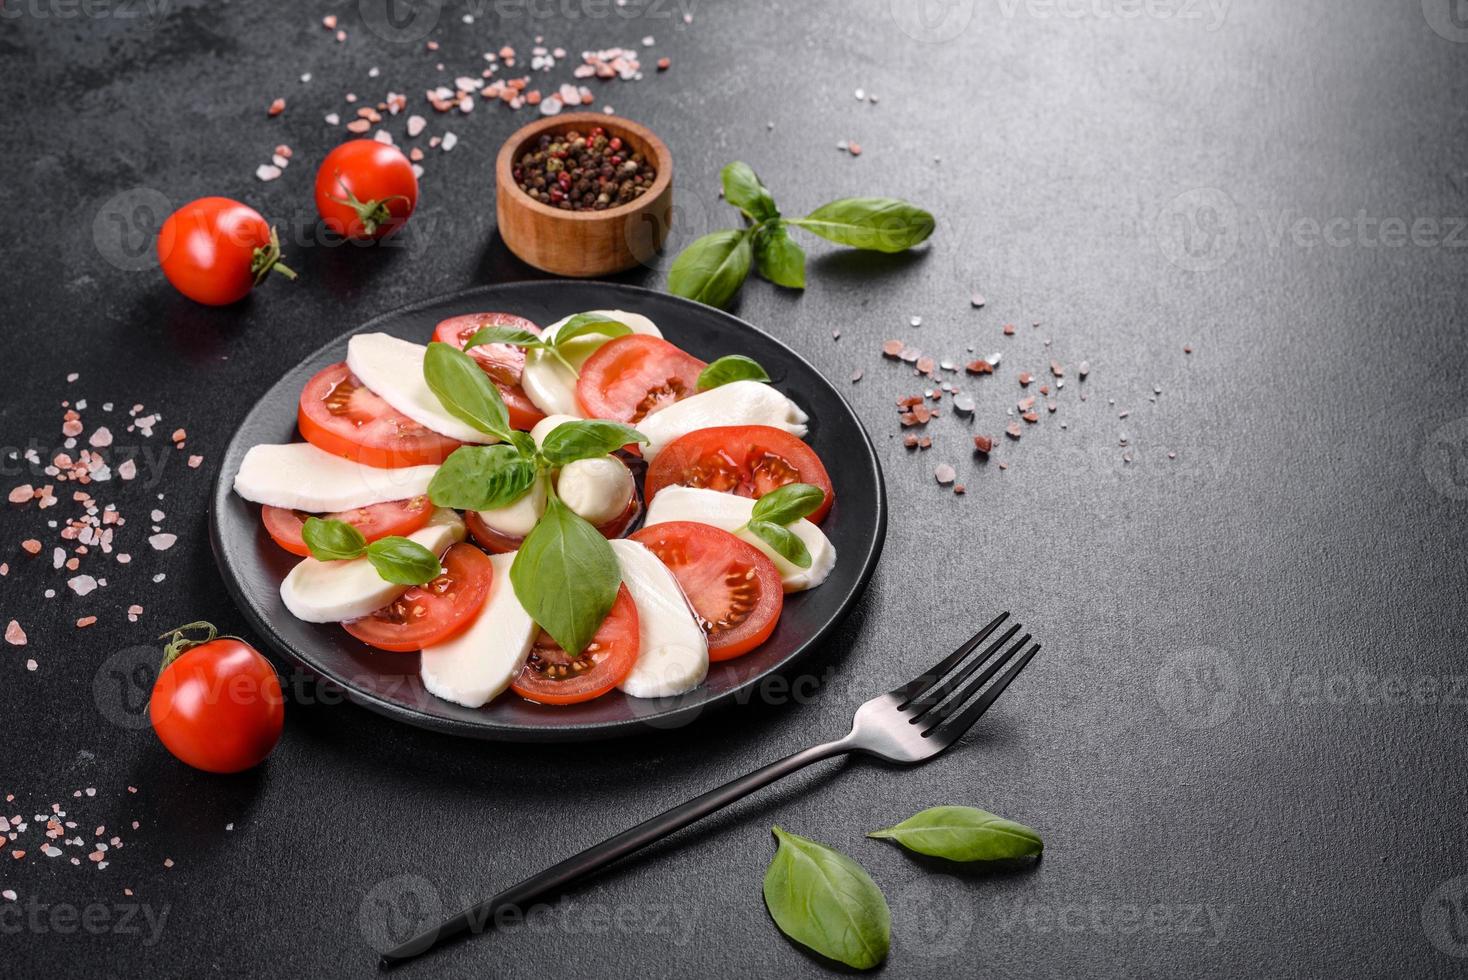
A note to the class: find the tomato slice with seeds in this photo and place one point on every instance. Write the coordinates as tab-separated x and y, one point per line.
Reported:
633	376
734	589
503	363
433	612
501	543
748	460
377	521
551	676
340	415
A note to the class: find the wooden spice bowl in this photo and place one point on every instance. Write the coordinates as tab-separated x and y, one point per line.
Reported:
585	244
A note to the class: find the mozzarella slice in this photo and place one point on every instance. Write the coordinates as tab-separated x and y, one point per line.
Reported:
299	476
550	384
393	369
730	512
598	489
673	653
477	665
519	518
736	403
335	591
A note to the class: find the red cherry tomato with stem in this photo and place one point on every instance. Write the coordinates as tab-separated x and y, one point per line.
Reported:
365	190
215	250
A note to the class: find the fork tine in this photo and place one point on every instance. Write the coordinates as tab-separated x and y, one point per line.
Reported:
921	683
939	693
950	729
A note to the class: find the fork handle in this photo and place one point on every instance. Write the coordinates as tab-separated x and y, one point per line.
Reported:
555	878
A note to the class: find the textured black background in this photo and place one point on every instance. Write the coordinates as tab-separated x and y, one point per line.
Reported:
1121	176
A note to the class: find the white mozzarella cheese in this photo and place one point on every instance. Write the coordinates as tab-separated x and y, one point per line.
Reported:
393	369
550	384
301	477
519	518
546	425
598	489
336	591
731	512
673	653
477	665
736	403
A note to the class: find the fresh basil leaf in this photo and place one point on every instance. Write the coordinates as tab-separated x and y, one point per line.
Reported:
571	441
524	443
731	367
778	257
583	324
482	478
788	504
823	899
744	190
504	335
332	540
881	224
785	542
402	561
566	576
963	833
712	269
465	391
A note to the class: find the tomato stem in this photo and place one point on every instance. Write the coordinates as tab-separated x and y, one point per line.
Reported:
179	644
267	259
372	214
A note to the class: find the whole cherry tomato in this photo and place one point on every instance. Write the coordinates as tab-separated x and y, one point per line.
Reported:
365	189
217	703
215	250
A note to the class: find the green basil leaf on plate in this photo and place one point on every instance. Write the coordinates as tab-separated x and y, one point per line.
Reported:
880	224
823	899
712	269
402	561
744	190
788	504
332	540
731	367
778	257
587	439
583	324
566	576
785	542
503	335
465	391
482	478
524	443
963	833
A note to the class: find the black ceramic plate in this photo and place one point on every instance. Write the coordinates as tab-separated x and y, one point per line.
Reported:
388	682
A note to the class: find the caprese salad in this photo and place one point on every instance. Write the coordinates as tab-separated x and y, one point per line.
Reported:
475	498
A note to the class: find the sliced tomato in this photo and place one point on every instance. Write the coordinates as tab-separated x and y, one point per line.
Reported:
433	612
749	460
551	676
342	416
377	521
631	377
502	544
504	363
734	589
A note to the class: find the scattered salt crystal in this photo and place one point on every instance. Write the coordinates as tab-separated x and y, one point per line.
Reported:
194	462
82	584
267	171
9	894
332	118
101	439
15	635
22	493
944	474
127	469
159	577
161	542
916	321
415	125
450	140
550	106
30	665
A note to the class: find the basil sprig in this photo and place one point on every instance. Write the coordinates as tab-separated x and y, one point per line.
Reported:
398	560
731	367
580	325
823	899
963	833
566	576
779	508
713	268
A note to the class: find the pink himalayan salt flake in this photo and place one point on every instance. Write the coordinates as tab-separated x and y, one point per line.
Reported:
15	635
168	862
194	462
22	493
162	542
85	621
101	439
82	584
31	665
179	435
71	428
127	469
